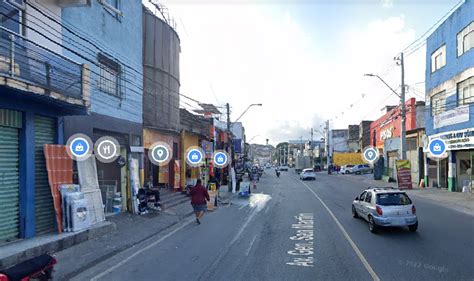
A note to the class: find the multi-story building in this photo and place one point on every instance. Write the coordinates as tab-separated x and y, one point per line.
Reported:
107	35
161	114
364	134
39	86
353	140
450	98
338	140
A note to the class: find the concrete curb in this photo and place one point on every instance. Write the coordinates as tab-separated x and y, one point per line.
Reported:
20	251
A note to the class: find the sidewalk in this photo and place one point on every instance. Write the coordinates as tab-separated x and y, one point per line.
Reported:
130	230
461	202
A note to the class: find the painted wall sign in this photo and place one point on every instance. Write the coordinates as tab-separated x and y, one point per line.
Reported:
456	140
454	116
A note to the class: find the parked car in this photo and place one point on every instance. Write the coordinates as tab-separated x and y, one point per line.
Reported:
284	168
385	207
317	168
308	174
361	169
346	169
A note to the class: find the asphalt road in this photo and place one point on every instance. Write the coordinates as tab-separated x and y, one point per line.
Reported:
293	230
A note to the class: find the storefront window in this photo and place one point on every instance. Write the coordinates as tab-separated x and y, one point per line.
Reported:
464	173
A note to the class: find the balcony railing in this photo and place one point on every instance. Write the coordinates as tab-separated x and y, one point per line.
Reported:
23	60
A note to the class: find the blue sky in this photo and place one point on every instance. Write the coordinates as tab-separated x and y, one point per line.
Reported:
304	61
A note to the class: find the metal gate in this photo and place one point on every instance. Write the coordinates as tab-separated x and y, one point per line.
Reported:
45	133
9	183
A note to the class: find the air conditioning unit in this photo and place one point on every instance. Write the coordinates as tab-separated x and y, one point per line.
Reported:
73	3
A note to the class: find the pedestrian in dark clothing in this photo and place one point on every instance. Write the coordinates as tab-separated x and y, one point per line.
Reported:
199	196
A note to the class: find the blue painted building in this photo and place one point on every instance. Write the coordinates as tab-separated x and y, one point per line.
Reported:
450	98
107	35
38	86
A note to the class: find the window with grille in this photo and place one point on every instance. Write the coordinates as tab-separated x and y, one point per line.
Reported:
109	76
466	39
438	103
438	58
466	91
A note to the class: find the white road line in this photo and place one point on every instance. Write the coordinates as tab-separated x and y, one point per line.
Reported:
251	245
117	265
348	238
236	237
241	207
267	208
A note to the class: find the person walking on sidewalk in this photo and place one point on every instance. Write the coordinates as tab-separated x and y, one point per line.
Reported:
199	196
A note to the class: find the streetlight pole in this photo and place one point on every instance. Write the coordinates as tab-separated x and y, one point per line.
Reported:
403	154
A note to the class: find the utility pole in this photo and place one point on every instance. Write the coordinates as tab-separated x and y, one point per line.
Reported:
229	137
403	153
328	160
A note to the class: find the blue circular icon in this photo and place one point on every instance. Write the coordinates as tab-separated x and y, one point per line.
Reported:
79	147
194	156
220	158
370	154
437	147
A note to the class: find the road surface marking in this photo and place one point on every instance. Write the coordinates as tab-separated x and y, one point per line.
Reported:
266	209
242	228
244	205
251	245
346	235
127	259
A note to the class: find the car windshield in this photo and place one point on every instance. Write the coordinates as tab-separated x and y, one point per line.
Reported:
393	199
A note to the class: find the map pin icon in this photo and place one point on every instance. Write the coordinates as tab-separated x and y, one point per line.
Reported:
371	154
160	153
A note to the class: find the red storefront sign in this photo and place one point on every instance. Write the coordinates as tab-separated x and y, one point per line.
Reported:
389	125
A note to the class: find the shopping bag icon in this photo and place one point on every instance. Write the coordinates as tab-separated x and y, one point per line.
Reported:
437	147
79	147
194	157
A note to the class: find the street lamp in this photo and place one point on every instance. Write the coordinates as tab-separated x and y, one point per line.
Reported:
245	111
403	113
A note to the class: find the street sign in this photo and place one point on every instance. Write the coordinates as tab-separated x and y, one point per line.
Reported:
160	153
78	147
194	156
107	149
370	154
221	159
437	148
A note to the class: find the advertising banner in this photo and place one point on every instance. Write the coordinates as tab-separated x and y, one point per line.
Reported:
454	116
212	196
404	174
177	174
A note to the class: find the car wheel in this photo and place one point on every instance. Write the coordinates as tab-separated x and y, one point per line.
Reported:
372	225
354	212
357	173
413	227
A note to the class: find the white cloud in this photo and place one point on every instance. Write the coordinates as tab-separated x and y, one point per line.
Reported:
259	53
387	3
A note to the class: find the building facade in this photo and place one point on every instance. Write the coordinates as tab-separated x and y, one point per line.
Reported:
364	134
161	114
385	136
450	98
108	36
39	86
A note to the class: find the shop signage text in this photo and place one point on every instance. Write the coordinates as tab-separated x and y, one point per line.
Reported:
457	140
451	117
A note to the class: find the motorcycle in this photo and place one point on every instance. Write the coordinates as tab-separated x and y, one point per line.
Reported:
37	268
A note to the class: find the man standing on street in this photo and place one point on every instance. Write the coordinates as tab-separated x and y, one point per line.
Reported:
199	196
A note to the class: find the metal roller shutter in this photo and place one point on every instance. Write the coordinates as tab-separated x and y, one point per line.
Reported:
45	133
9	184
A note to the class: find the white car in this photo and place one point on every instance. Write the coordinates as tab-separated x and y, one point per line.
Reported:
385	207
283	168
346	169
308	174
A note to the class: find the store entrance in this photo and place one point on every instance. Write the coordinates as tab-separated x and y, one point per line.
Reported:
464	172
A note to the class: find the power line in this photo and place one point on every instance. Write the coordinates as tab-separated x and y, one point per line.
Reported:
95	45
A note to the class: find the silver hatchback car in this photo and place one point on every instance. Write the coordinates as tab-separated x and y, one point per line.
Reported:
385	207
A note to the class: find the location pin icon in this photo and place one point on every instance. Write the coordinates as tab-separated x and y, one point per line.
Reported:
160	153
371	154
